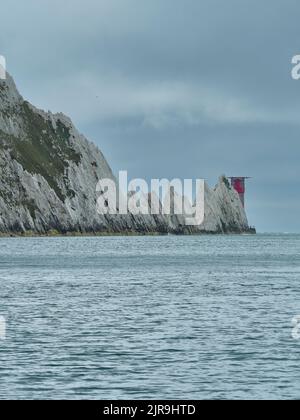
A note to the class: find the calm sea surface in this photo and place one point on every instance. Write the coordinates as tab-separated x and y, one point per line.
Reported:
150	317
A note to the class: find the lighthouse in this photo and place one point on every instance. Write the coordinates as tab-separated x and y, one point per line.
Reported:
239	184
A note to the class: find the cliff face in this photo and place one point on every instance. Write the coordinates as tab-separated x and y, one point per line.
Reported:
48	177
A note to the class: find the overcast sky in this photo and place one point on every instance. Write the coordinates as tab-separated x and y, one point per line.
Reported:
172	88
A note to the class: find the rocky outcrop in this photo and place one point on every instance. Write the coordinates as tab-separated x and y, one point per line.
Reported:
48	177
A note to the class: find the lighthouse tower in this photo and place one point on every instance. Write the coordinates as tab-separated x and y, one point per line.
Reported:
239	184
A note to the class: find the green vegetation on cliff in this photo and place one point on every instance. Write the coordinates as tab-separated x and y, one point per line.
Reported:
44	150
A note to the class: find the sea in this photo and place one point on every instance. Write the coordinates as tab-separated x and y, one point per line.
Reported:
166	317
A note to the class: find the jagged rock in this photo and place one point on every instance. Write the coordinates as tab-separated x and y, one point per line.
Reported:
48	177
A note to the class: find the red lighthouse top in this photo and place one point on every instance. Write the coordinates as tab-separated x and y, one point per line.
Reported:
238	183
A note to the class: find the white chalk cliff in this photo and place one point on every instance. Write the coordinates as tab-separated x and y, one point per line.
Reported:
48	177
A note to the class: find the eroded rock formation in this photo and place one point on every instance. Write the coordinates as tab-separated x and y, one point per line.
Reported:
48	177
